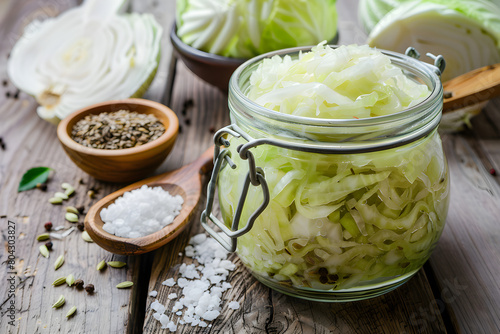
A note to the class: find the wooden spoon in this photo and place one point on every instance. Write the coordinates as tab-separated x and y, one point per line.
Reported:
472	88
185	181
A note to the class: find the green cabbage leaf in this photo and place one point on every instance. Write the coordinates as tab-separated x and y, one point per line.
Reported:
246	28
465	32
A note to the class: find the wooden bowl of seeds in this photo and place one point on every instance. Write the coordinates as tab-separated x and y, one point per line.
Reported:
119	141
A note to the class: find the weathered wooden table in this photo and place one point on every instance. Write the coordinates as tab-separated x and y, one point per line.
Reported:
458	290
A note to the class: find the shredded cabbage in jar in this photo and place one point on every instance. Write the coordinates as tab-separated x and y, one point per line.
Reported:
348	82
337	221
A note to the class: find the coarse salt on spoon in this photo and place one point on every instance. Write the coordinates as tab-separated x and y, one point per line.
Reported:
471	88
185	182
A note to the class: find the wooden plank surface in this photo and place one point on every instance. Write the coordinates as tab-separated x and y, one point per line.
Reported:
465	265
466	261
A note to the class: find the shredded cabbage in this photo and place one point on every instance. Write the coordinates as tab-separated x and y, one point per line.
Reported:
338	221
348	82
246	28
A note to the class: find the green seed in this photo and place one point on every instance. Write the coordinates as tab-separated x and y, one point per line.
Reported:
70	280
44	251
55	200
60	302
86	237
61	195
43	237
124	285
71	217
101	265
116	264
59	262
72	209
71	312
68	188
59	281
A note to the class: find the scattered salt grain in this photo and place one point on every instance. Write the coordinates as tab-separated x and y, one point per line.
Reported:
141	212
210	315
201	285
164	320
234	305
169	282
153	293
171	326
182	282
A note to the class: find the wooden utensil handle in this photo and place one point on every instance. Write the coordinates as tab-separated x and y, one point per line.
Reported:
473	87
205	162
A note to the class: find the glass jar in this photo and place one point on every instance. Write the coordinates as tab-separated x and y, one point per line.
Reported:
331	210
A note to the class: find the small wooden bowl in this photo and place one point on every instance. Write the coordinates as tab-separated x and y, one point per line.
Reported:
122	165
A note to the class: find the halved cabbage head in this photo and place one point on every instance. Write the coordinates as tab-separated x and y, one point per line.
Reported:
88	54
246	28
465	32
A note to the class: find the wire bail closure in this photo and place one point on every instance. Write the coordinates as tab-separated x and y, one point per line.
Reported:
439	62
255	177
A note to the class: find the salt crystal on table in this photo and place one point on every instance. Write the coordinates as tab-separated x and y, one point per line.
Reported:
171	326
202	285
169	282
234	305
153	293
164	320
155	305
161	309
210	315
182	282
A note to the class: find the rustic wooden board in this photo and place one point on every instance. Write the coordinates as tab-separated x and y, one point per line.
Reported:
32	142
466	261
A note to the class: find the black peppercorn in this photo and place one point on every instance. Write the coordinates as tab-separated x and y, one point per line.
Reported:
79	284
90	288
49	245
81	226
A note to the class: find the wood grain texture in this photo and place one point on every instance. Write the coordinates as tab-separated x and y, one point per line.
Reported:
466	261
473	87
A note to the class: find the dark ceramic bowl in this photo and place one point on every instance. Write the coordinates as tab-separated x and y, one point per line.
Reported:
212	68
